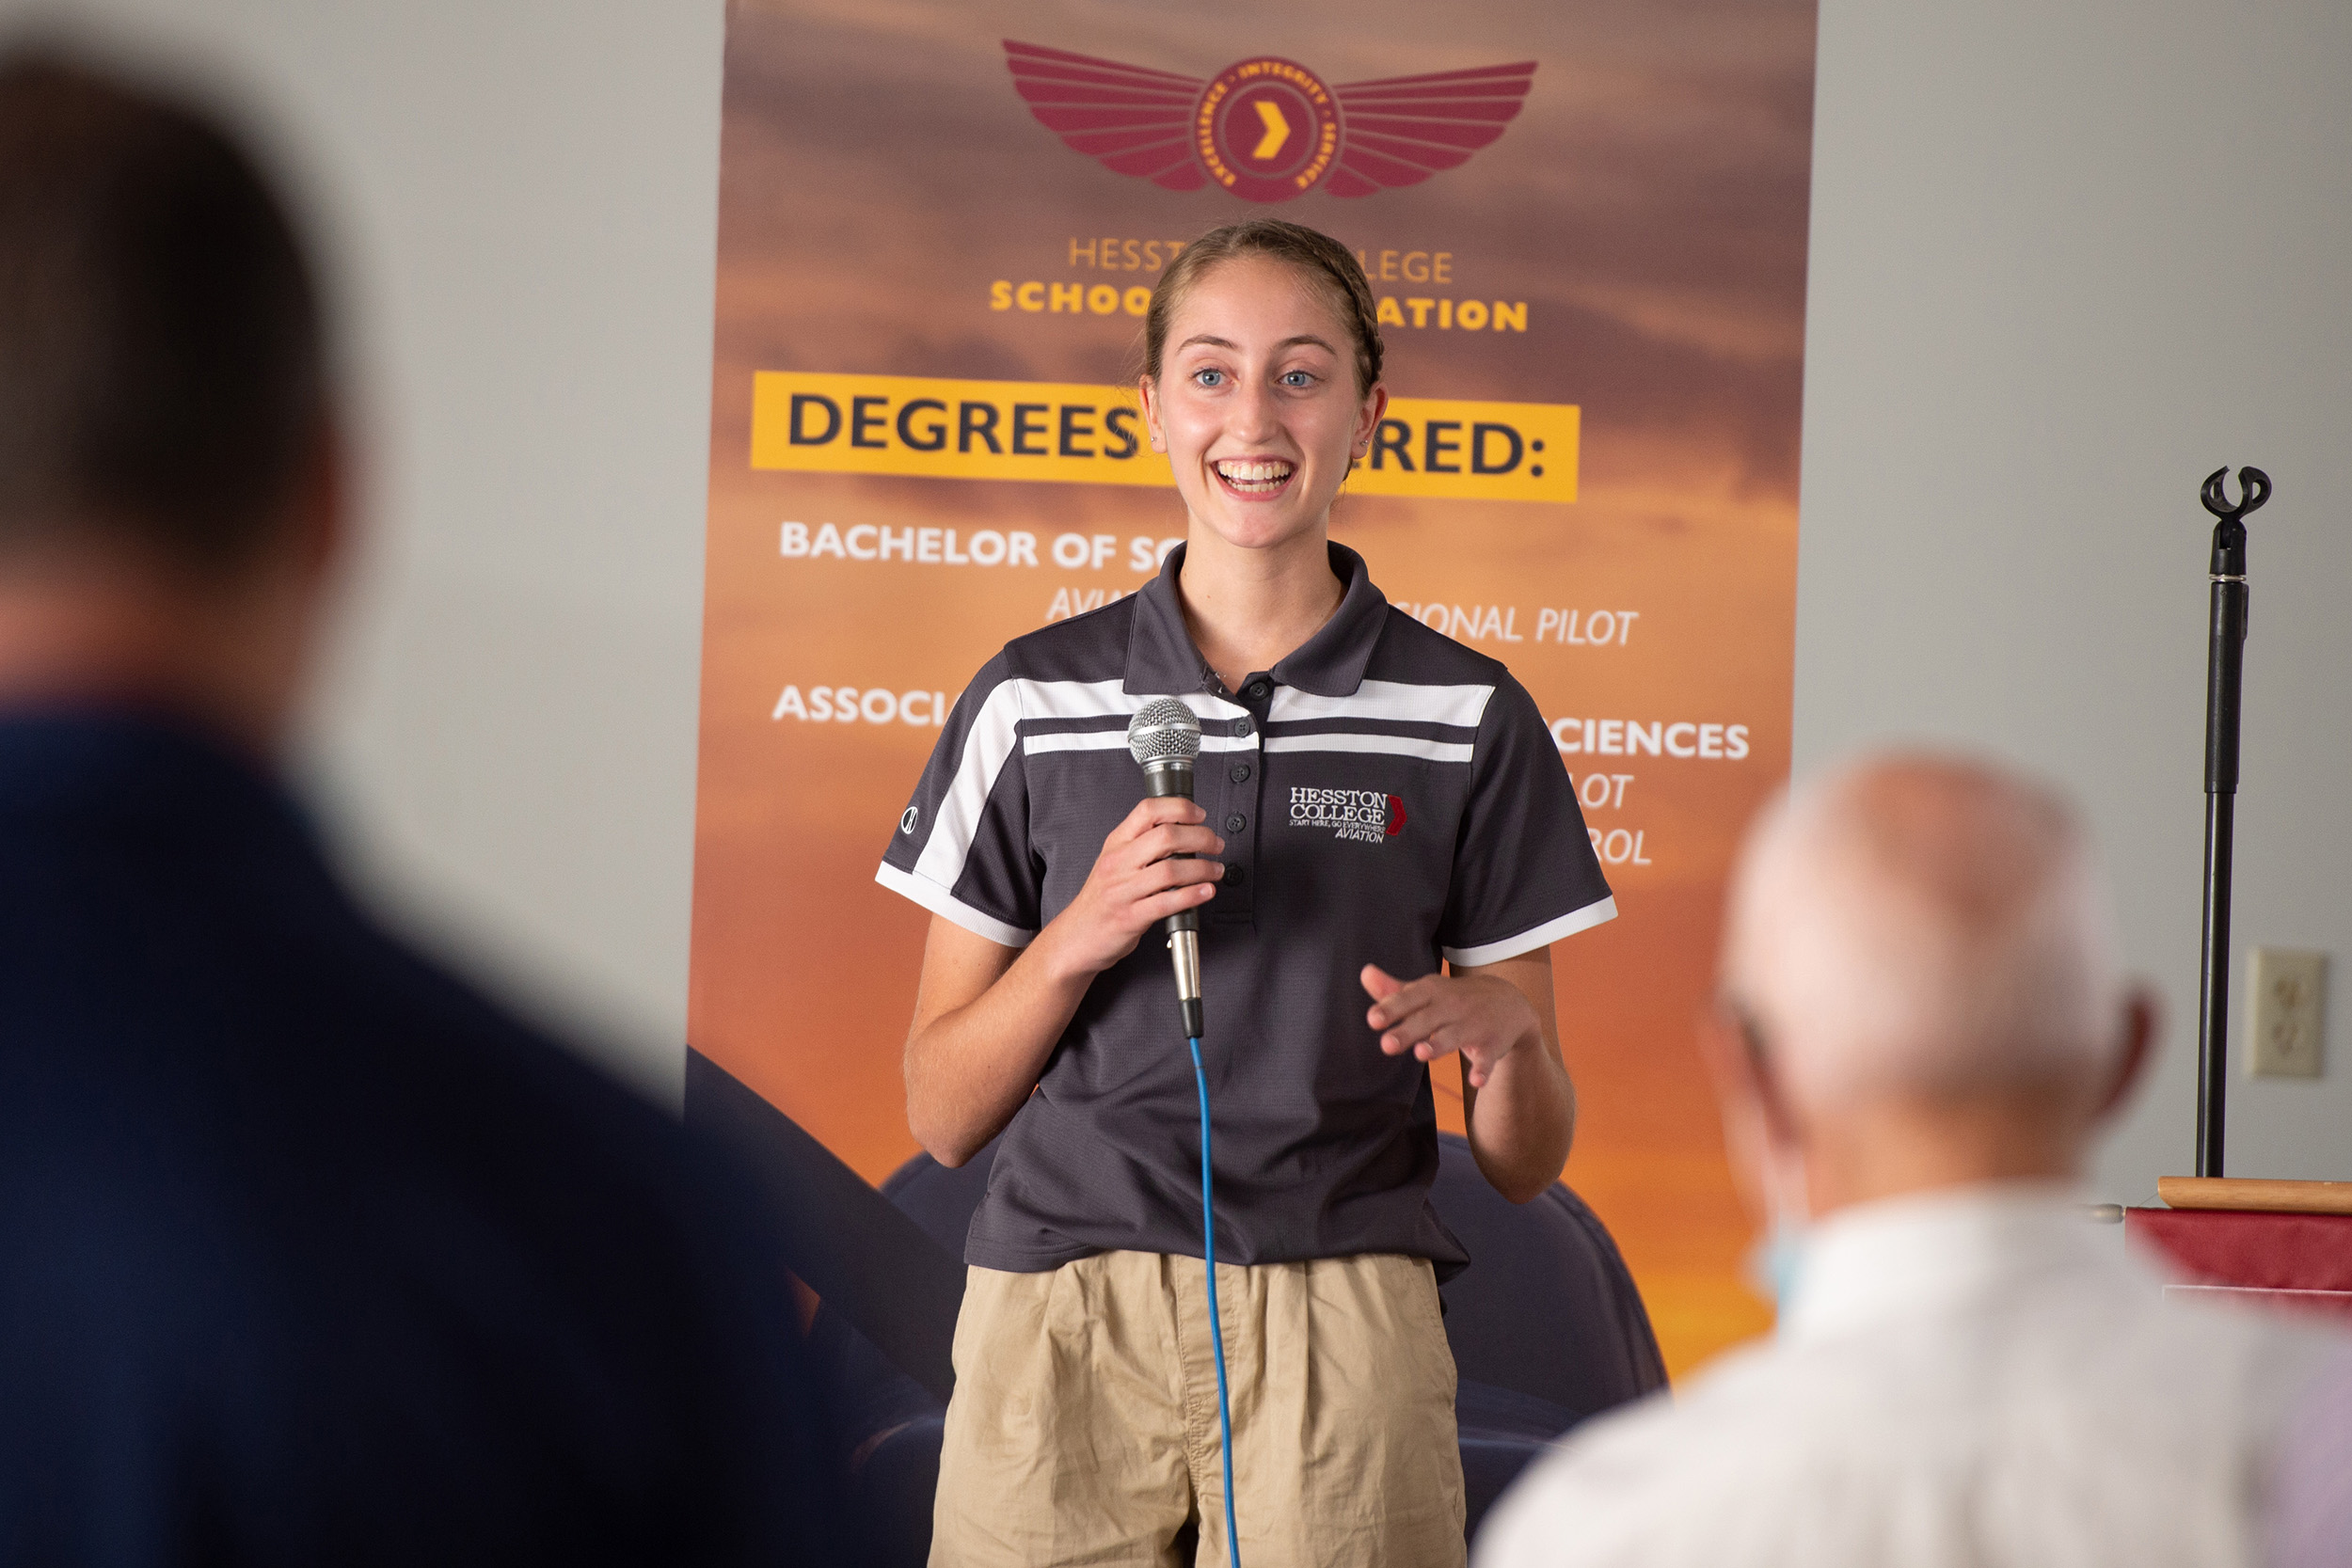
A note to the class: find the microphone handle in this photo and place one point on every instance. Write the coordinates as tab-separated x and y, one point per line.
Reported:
1161	783
1182	928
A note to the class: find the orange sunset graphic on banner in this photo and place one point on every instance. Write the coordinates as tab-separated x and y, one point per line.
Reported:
939	227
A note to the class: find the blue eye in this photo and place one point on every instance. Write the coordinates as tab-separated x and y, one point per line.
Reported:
1209	378
1298	378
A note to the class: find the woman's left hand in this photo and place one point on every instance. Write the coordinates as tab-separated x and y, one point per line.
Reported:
1483	1018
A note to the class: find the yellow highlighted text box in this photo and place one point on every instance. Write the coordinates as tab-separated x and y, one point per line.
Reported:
1070	433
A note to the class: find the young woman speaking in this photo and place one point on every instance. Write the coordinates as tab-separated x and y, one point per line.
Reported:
1372	798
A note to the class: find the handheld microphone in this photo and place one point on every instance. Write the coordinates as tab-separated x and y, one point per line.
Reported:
1163	739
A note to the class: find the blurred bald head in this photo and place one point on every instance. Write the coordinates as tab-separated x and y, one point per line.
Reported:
1926	926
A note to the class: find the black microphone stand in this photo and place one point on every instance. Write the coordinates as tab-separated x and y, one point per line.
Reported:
2224	676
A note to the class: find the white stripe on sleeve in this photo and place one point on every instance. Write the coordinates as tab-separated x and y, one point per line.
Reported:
986	750
1541	936
948	907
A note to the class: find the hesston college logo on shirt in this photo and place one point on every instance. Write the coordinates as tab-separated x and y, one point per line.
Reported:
1359	815
1266	129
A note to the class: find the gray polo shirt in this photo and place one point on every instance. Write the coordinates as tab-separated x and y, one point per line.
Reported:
1387	796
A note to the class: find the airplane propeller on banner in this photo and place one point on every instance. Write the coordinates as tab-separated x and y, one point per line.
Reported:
1266	129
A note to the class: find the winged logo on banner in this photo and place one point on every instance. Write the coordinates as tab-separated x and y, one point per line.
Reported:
1266	129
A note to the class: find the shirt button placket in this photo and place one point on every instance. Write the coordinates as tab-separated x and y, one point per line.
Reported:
1245	777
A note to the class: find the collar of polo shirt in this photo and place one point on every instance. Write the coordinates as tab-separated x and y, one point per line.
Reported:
1161	657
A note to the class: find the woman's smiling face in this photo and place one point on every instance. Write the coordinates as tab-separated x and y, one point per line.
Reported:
1256	405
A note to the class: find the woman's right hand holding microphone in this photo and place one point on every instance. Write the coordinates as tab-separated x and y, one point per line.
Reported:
1137	882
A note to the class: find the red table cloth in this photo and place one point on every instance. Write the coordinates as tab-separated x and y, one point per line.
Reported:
2298	1261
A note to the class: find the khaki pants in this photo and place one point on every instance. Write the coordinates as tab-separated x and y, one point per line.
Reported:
1083	1428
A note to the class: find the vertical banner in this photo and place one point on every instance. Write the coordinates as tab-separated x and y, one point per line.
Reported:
939	226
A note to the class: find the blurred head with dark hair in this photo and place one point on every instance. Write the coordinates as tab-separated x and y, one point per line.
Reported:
168	494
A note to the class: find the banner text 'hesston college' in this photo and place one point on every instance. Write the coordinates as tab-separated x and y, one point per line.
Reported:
1070	433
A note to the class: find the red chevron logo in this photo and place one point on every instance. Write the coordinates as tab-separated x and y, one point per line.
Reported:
1266	129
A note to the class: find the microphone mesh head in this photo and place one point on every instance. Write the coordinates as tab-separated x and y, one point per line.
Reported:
1164	730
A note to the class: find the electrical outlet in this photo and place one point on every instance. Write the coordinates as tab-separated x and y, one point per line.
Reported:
2285	1005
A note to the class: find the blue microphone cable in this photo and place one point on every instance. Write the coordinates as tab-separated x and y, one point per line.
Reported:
1216	1323
1164	738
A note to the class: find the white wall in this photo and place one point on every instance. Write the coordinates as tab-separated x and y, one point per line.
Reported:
2067	261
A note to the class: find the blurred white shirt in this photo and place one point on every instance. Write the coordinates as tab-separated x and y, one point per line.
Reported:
2310	1519
1978	1377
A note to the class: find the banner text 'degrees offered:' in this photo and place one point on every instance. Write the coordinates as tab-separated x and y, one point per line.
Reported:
1071	433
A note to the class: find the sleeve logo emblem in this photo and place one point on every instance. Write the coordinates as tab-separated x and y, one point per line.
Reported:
907	821
1266	129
